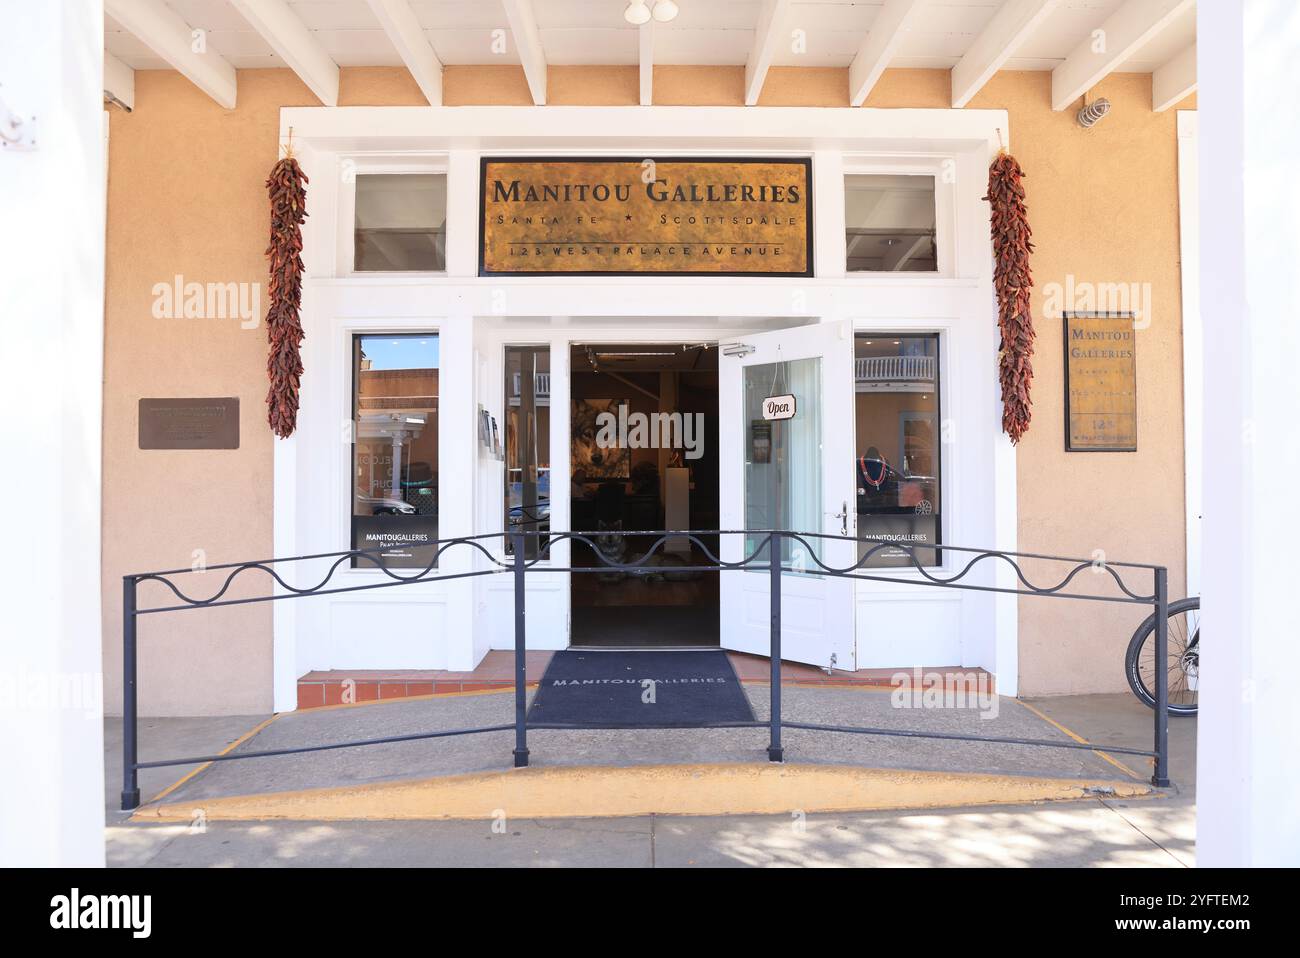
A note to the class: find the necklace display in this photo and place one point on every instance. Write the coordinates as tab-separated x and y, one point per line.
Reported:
875	483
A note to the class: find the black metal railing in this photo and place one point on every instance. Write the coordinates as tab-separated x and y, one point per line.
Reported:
765	556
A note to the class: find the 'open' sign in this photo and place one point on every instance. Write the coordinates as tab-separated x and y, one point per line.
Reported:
778	407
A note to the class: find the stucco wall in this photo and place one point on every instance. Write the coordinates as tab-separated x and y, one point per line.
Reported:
187	196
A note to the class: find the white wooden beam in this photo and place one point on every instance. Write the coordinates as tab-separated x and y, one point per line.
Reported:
1011	26
289	37
119	81
893	21
767	34
407	36
1122	34
523	26
646	60
1174	81
164	32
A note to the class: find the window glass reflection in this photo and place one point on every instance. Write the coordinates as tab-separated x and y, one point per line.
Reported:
897	468
783	477
527	442
395	448
889	223
401	222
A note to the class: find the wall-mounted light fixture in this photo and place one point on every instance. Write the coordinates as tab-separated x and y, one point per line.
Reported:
1093	113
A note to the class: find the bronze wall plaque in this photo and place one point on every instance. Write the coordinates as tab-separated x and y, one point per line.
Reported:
189	423
627	217
1100	383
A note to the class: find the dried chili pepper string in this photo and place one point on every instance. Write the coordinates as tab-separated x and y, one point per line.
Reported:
287	191
1013	280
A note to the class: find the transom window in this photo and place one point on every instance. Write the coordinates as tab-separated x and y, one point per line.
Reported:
400	222
889	223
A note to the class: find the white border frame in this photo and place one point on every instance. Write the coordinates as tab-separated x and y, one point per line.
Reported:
959	305
367	164
1193	339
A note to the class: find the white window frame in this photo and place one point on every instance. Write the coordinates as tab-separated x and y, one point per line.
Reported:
942	169
368	164
342	518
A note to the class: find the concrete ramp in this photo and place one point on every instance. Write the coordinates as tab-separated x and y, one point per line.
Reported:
633	772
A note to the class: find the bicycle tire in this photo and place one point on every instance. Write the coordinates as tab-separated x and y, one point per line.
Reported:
1132	658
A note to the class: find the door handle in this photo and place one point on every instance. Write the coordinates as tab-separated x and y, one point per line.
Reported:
843	516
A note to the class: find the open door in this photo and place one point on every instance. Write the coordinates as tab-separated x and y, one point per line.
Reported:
792	474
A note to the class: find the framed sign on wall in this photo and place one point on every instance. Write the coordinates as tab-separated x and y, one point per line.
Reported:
1100	382
664	216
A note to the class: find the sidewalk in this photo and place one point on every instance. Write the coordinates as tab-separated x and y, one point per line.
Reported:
1100	831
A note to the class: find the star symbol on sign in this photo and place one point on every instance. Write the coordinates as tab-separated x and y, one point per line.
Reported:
627	216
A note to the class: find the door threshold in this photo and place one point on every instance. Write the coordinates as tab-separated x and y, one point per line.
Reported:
644	648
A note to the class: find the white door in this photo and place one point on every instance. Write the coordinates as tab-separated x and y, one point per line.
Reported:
789	474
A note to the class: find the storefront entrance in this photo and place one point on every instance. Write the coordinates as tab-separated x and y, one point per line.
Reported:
892	432
744	434
644	457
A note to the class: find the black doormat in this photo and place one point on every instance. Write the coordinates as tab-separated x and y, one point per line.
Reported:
640	688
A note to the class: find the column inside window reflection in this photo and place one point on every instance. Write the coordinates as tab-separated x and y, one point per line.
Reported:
395	449
528	444
898	441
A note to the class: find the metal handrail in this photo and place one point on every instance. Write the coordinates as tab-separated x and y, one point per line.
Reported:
520	564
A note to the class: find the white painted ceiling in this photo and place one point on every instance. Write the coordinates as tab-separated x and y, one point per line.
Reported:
714	32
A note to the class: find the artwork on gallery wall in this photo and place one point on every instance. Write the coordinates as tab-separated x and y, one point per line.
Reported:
595	436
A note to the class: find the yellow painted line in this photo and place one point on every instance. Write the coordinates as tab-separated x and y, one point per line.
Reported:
319	708
602	792
229	748
1082	741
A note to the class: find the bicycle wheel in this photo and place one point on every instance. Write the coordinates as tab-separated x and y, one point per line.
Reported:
1184	651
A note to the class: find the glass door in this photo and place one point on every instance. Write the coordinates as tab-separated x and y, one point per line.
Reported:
786	401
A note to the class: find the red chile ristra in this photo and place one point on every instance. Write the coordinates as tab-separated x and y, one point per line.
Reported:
287	190
1013	280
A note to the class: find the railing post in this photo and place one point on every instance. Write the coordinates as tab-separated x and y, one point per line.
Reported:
521	659
130	746
774	750
1161	777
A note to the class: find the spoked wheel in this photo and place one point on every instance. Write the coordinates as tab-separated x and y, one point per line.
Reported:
1184	663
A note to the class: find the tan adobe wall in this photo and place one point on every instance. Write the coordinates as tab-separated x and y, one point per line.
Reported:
187	196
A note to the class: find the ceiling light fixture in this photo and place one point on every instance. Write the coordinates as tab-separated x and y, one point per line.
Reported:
637	13
664	11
